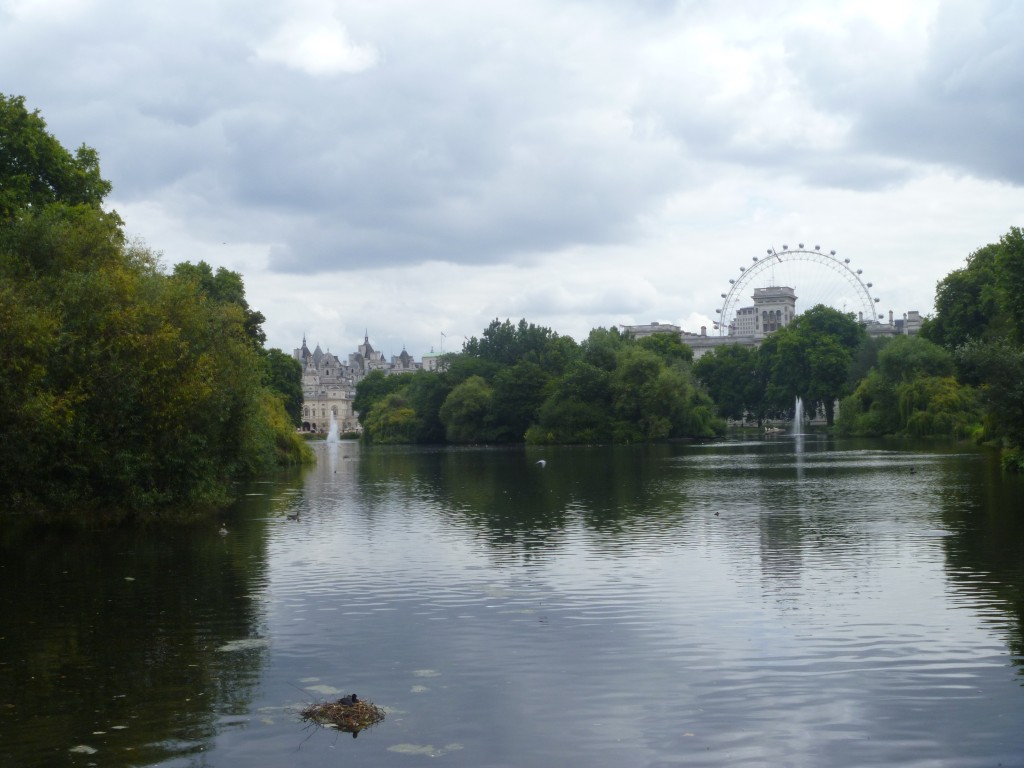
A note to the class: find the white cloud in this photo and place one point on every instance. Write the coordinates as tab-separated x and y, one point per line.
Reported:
317	44
370	166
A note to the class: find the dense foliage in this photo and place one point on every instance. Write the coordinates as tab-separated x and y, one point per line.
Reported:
810	359
521	382
963	376
123	389
980	320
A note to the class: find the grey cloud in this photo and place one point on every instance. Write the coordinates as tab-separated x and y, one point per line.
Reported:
958	107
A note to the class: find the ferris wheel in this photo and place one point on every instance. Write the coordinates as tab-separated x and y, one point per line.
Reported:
815	276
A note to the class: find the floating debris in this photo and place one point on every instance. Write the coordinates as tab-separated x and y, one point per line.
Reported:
245	644
349	714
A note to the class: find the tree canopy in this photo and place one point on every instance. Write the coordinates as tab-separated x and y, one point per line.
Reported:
125	390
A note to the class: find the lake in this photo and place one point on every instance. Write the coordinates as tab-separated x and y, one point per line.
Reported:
775	601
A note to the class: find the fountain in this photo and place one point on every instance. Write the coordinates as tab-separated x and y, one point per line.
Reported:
798	416
332	432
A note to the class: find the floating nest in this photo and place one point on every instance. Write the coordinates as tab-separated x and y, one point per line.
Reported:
345	714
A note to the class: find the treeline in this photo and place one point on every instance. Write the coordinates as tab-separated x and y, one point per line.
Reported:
961	377
964	375
812	358
124	389
522	382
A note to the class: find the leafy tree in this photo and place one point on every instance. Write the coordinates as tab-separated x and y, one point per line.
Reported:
375	386
506	344
125	390
731	377
519	391
999	367
811	357
966	302
1010	279
669	347
466	411
284	376
602	347
392	420
36	170
577	409
225	287
910	357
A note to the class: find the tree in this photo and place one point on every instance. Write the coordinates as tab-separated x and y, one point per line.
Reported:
1010	279
284	377
225	287
810	358
519	392
466	411
37	171
669	347
125	390
375	386
910	357
967	302
731	377
392	420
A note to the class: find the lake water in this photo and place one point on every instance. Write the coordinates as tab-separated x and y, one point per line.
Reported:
773	602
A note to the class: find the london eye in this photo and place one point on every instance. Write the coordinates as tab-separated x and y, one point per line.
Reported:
816	276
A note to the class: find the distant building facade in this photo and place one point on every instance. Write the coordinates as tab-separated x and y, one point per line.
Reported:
774	307
329	384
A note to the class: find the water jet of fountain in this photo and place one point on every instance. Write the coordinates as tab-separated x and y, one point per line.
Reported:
798	416
332	432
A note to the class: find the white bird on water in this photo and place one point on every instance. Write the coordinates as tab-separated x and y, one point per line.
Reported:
542	463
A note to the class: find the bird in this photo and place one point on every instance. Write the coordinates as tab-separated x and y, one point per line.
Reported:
293	517
350	699
542	463
223	530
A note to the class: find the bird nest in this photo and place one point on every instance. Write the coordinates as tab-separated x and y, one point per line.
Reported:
343	714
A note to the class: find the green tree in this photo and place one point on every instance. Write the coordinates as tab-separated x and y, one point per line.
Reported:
284	376
811	357
577	408
910	357
466	412
373	387
731	377
225	287
36	171
392	420
966	302
1010	279
519	392
126	390
426	393
669	347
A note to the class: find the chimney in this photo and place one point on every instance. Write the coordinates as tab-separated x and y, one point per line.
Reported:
703	330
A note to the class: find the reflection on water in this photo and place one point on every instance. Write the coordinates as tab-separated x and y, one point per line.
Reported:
769	602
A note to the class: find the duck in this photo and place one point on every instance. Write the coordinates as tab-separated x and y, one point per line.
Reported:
223	530
542	463
349	700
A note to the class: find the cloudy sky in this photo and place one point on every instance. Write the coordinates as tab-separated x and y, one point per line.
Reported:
414	168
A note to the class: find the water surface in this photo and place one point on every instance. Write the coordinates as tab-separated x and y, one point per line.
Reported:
771	602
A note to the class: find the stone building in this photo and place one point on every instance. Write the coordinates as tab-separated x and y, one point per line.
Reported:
329	385
773	308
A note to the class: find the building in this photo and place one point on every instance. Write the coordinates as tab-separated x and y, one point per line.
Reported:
774	307
329	385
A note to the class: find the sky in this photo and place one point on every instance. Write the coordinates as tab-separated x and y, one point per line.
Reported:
413	170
